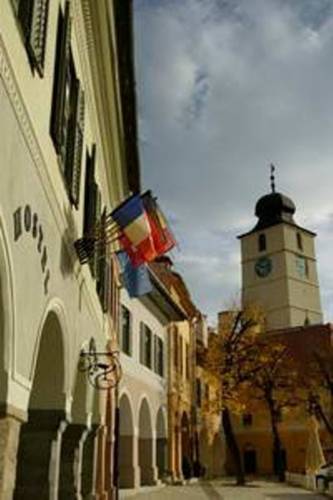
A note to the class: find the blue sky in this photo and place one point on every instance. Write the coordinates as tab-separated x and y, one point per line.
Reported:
225	87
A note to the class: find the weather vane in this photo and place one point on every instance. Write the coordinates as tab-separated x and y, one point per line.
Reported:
272	177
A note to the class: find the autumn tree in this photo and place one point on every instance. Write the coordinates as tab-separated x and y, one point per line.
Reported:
232	356
319	384
276	384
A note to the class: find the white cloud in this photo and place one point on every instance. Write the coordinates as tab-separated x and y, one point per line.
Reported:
226	87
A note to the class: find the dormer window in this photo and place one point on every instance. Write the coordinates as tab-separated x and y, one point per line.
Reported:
299	241
262	242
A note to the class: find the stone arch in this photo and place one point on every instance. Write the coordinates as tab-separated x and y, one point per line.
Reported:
161	443
127	471
55	307
40	436
146	443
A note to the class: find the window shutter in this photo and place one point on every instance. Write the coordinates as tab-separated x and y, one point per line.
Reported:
90	194
156	354
75	142
60	75
99	245
101	259
36	37
142	344
24	14
161	358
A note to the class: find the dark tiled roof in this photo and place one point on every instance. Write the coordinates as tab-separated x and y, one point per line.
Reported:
171	279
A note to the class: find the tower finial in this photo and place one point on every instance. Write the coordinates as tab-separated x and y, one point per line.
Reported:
272	177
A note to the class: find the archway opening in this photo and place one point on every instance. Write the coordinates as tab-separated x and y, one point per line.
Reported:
186	447
250	460
126	444
146	445
218	454
71	458
161	444
40	437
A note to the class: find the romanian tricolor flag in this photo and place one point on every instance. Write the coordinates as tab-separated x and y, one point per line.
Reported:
135	231
161	234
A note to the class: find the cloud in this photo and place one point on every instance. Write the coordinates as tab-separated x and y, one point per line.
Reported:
224	88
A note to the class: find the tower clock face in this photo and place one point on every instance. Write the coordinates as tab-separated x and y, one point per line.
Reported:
301	267
263	266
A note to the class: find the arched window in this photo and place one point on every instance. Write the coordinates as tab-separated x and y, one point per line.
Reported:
299	241
262	242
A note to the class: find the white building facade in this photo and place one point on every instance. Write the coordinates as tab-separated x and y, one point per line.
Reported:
63	143
143	392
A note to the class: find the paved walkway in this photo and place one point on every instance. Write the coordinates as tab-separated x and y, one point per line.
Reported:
223	490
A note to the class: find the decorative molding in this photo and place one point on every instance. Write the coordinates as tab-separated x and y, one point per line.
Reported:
12	88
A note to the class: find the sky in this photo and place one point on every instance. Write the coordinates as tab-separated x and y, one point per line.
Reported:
224	88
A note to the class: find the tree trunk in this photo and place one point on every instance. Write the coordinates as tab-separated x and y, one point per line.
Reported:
233	446
277	445
322	416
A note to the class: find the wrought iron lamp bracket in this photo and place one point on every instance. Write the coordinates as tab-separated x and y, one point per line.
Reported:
102	374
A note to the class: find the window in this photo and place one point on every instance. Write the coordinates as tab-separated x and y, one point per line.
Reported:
262	242
92	207
32	16
247	420
299	241
187	361
181	354
175	347
159	356
145	345
198	392
68	110
126	331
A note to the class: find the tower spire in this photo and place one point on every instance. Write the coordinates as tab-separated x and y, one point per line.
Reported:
272	177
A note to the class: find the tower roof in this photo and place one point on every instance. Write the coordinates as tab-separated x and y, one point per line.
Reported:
274	208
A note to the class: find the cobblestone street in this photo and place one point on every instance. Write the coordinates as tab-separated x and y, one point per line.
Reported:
222	490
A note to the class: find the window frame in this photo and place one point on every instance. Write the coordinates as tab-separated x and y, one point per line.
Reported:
146	339
262	242
129	335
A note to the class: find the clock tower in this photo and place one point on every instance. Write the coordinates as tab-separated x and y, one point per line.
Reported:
279	271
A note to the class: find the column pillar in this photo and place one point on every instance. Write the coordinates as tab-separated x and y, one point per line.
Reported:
89	463
148	470
101	493
38	460
128	460
9	441
71	462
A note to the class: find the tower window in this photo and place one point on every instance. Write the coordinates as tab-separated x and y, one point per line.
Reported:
299	241
262	242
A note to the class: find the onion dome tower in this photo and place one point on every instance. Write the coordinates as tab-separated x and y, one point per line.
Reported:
279	270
